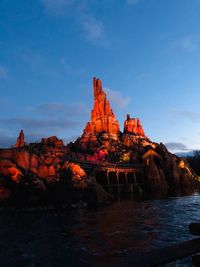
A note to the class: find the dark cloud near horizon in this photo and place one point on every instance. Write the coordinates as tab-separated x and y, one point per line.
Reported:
188	114
43	121
176	146
34	123
6	140
34	129
76	109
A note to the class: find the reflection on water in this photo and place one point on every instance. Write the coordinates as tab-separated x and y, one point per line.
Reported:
82	238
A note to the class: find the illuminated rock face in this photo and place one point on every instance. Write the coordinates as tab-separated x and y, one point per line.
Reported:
20	140
133	126
101	142
103	120
52	141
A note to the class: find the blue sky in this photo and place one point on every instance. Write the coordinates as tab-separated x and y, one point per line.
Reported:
147	53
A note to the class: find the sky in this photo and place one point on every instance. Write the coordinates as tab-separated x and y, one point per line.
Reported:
146	52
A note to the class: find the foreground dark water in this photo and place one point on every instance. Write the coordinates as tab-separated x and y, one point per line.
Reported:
81	238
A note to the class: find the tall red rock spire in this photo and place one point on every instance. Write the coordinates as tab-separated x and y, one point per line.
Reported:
20	140
103	122
103	119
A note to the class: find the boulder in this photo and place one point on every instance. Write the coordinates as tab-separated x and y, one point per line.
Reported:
9	169
78	175
52	141
155	178
51	170
22	158
35	161
43	171
14	173
6	154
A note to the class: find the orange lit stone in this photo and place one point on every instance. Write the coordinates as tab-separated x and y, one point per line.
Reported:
103	119
14	173
20	140
133	126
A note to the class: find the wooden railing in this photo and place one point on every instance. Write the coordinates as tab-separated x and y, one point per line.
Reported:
108	165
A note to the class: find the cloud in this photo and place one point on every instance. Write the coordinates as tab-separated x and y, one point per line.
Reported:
3	72
6	140
117	98
177	147
132	2
188	43
57	109
44	120
71	70
33	58
35	129
38	63
94	29
188	114
56	5
41	124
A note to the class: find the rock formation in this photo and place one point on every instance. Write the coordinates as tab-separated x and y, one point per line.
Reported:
52	141
103	121
101	142
133	126
20	140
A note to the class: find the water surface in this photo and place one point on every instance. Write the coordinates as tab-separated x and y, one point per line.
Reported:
81	238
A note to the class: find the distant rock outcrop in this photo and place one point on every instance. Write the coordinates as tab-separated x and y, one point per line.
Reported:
20	140
133	126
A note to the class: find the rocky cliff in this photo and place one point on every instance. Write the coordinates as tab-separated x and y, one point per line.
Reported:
104	143
101	142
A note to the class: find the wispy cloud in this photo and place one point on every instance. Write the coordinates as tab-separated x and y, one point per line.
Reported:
117	98
69	69
33	58
3	72
188	43
57	6
6	140
187	114
61	110
132	2
38	63
94	30
177	147
38	124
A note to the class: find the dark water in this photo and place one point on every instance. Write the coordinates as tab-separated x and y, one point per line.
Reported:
81	238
